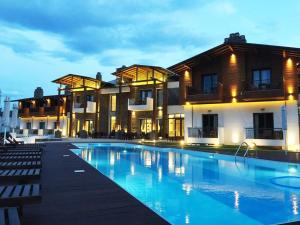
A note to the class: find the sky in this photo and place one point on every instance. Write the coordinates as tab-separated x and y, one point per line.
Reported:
41	40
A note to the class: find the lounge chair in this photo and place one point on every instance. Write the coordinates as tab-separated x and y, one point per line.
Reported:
13	153
20	175
16	158
9	216
20	165
19	195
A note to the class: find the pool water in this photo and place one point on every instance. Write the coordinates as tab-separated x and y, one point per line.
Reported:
186	187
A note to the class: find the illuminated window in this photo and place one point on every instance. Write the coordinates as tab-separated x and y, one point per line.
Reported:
176	125
112	123
146	125
113	103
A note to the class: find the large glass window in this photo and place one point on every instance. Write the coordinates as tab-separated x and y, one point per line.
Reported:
90	98
261	79
113	103
112	123
146	125
210	125
209	83
144	94
176	125
42	125
159	98
263	125
28	125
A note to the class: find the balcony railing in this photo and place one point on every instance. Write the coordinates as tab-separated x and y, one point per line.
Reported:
196	95
140	105
197	132
264	133
90	107
262	90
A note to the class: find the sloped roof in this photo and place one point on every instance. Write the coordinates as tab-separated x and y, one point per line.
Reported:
234	47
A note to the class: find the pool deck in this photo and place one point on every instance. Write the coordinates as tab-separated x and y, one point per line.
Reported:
87	198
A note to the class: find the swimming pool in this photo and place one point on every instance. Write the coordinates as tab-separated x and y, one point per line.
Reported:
187	187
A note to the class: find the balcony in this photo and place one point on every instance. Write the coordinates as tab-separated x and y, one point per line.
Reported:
134	105
90	107
196	95
263	92
264	133
197	132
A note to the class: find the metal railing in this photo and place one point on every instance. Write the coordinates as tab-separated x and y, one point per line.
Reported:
264	133
198	132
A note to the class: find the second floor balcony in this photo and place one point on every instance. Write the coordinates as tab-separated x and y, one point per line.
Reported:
38	111
205	96
263	90
140	105
90	107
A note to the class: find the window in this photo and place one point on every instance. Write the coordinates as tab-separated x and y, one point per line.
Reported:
159	98
55	124
78	99
112	123
146	125
113	103
176	125
263	124
28	125
89	126
209	83
210	125
261	79
144	94
90	98
42	125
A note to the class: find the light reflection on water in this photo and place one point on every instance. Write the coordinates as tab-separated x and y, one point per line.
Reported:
185	188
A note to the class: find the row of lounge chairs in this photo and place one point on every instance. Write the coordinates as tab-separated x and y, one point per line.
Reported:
20	173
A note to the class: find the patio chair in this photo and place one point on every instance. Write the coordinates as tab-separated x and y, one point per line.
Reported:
15	153
16	158
9	216
20	175
19	195
20	165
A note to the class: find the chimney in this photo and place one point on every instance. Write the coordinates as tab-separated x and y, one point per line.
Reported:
99	76
235	38
38	92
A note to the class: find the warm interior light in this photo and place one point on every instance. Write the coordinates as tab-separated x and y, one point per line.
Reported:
187	103
234	100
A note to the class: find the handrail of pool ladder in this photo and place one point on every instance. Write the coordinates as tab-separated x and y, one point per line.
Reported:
239	148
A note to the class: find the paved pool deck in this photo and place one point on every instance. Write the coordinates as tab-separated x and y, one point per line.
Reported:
88	198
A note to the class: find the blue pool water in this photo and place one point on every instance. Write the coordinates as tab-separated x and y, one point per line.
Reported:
186	187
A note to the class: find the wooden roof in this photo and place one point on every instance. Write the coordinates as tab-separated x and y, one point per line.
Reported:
130	71
232	48
74	80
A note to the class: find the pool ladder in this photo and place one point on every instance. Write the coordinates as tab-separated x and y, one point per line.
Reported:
239	148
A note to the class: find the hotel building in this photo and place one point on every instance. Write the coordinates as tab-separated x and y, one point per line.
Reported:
234	92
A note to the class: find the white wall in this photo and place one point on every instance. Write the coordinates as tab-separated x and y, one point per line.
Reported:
233	118
48	120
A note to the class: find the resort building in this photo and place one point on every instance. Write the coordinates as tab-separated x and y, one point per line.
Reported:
41	115
232	93
239	91
151	107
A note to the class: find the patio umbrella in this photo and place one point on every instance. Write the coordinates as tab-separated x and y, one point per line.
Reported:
5	116
14	118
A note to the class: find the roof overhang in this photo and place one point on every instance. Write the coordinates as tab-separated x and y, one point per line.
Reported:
76	81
